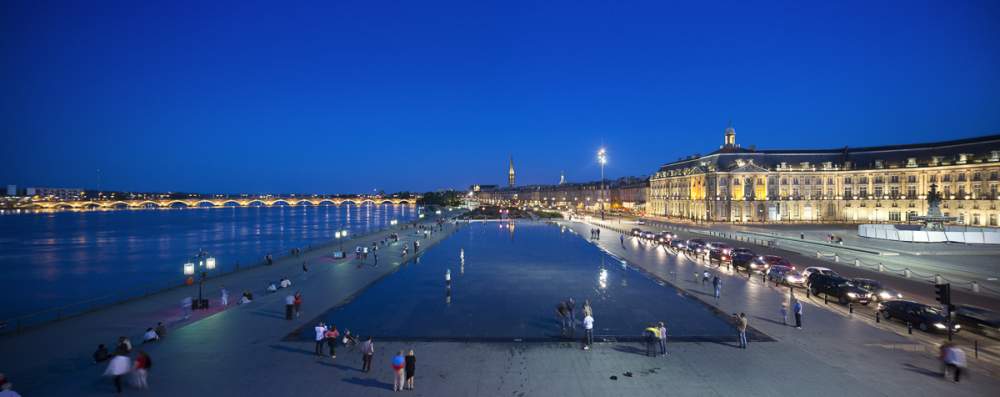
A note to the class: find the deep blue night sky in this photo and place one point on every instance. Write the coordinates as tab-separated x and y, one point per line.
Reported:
349	96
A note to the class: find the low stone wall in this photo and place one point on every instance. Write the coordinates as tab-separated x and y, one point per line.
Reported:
910	233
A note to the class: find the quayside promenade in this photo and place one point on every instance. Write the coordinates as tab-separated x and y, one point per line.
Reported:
253	350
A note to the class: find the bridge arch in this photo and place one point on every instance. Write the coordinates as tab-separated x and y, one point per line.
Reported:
228	202
170	204
275	202
201	203
259	202
305	202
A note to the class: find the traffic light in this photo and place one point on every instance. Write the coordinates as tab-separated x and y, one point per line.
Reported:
942	293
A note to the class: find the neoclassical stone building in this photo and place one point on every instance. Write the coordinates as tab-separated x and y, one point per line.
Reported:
856	185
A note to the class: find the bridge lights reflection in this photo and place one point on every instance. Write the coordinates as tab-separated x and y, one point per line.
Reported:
602	279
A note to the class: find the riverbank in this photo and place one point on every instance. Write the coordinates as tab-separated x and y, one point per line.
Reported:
54	359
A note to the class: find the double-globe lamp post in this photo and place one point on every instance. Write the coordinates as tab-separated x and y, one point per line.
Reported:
205	264
602	157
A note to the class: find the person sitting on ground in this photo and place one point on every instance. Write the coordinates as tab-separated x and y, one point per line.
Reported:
124	344
101	355
161	330
349	340
285	282
150	336
272	287
247	297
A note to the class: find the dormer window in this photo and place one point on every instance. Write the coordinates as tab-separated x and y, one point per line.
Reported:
879	164
911	162
804	165
935	160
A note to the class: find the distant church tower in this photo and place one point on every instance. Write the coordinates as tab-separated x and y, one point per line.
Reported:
730	136
510	173
562	177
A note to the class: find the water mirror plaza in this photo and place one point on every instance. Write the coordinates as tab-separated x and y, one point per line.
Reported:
508	286
499	198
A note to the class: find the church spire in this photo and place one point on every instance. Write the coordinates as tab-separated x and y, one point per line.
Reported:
510	173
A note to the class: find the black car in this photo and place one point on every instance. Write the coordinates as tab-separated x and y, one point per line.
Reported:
978	320
720	252
923	317
742	257
879	292
678	244
761	263
838	287
636	232
665	237
697	246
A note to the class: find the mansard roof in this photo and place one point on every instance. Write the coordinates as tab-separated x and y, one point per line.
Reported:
978	149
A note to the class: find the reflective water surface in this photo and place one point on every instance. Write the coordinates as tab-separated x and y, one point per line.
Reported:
53	259
508	286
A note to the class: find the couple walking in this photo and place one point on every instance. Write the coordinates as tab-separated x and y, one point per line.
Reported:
403	368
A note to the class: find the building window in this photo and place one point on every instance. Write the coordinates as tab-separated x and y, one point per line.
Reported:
894	191
977	176
808	181
847	180
863	191
993	219
994	176
894	216
795	181
961	177
933	178
829	181
894	179
863	180
878	191
879	179
911	179
847	193
911	192
946	178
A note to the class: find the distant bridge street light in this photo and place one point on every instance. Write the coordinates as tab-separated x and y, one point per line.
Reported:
602	157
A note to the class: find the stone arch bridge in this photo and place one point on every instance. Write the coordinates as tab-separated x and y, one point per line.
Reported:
208	203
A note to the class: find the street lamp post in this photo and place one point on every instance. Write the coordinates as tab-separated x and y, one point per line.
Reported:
205	264
603	158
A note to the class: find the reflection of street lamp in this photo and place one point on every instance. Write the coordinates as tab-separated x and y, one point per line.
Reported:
602	156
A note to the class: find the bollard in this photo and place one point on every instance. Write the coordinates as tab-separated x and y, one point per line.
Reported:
909	328
825	301
807	292
850	307
906	272
878	316
881	267
763	278
938	279
817	254
975	287
857	263
836	258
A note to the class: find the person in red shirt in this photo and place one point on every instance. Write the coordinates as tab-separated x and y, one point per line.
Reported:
331	340
298	303
141	371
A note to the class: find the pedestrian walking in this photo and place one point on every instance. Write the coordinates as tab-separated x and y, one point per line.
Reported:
571	306
140	373
705	277
119	365
411	368
588	328
331	336
320	337
717	285
784	313
563	315
447	278
225	296
7	390
297	303
305	267
289	306
650	336
954	359
621	238
367	352
797	310
100	355
186	304
663	338
398	368
742	322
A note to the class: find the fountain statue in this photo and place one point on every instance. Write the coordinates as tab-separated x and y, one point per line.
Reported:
934	221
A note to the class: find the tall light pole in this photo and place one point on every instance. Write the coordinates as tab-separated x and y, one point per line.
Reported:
602	156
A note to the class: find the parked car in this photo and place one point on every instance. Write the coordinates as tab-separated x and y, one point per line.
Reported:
648	235
678	244
878	291
816	269
763	262
742	257
923	317
636	232
785	274
696	246
979	320
838	287
720	252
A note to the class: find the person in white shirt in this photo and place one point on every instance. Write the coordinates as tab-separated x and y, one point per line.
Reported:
289	306
150	336
320	332
272	288
119	366
954	359
588	326
285	283
7	390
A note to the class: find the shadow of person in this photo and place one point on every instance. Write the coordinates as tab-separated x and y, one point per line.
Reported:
368	382
921	370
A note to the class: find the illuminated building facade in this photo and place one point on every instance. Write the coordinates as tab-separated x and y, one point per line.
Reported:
855	185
